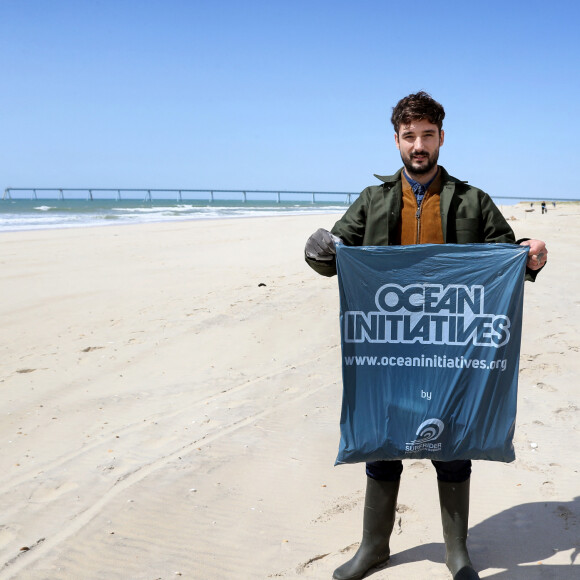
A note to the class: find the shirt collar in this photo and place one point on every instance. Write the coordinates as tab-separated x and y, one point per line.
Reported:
415	185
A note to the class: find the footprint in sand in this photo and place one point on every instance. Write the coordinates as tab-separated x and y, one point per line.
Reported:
545	387
417	467
342	504
566	413
534	369
548	489
304	566
567	516
401	509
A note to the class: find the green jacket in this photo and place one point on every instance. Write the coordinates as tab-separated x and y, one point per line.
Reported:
468	215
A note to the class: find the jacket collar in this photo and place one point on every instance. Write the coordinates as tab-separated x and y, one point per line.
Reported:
390	178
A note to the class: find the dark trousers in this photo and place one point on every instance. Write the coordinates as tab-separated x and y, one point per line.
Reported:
449	471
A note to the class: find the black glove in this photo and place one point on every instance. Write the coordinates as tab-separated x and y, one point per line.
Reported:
321	246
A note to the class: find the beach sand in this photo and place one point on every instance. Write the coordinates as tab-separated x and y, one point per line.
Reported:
170	399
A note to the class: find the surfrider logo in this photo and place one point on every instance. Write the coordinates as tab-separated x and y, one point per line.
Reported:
428	314
428	432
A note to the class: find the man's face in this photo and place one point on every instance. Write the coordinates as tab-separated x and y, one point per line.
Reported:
419	142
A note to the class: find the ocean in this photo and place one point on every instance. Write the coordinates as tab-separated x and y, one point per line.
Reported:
34	214
20	213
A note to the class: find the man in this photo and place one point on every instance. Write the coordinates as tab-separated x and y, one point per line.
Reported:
419	204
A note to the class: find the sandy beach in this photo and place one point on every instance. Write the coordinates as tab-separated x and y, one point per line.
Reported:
170	399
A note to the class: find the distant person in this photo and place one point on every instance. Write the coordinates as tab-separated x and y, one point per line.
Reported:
544	208
554	203
420	204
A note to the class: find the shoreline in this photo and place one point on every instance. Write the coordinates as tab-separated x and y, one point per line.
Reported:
123	220
172	220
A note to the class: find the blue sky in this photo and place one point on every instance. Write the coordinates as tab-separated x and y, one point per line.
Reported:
284	94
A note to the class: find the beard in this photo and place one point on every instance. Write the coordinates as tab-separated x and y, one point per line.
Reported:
420	168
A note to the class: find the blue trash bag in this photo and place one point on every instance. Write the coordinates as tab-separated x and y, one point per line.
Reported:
430	338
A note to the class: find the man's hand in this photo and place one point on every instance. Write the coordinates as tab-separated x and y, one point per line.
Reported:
321	246
538	254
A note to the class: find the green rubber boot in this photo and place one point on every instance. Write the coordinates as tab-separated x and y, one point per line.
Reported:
454	501
378	522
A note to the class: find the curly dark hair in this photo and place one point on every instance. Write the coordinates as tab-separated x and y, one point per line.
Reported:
416	107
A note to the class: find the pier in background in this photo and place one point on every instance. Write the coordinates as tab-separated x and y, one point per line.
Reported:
150	195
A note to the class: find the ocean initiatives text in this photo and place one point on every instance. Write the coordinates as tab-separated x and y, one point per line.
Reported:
428	314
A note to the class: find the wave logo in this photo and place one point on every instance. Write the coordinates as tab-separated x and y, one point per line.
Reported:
428	432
